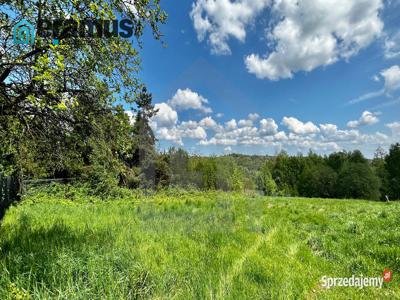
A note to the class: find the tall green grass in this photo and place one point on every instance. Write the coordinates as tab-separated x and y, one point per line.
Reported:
193	245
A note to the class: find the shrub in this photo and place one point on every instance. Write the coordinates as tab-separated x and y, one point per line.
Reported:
358	181
317	181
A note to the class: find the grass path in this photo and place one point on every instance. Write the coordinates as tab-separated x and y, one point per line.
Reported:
225	283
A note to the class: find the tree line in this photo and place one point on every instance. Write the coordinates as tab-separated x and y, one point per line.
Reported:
338	175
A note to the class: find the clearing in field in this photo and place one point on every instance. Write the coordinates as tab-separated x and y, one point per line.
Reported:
193	245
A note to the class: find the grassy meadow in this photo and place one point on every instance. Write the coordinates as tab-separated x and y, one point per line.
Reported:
194	245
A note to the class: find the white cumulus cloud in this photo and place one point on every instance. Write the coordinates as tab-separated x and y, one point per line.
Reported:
313	33
328	129
367	118
170	134
297	136
197	133
298	127
268	127
210	123
395	127
220	20
166	116
187	99
230	125
253	117
392	78
245	123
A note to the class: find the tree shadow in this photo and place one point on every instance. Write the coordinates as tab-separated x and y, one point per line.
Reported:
39	250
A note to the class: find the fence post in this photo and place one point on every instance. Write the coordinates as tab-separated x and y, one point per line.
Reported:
1	190
9	190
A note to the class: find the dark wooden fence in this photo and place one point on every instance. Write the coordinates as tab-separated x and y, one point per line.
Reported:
11	188
9	191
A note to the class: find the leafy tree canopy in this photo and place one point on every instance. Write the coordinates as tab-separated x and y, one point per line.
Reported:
55	94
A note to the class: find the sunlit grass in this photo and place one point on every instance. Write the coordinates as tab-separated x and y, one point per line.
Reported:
196	246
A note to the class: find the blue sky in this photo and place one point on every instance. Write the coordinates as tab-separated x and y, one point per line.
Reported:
311	75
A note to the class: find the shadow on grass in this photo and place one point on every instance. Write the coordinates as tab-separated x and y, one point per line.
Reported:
68	261
28	237
46	252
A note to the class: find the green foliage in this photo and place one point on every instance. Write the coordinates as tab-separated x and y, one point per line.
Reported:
208	170
307	176
207	173
393	169
236	180
163	172
179	167
144	156
250	164
104	170
357	181
286	173
379	167
57	101
357	157
265	182
337	160
318	181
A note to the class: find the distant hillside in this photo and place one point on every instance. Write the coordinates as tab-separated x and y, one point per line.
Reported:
250	162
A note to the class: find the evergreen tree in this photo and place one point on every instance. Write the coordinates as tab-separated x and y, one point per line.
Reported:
393	168
144	154
179	165
380	169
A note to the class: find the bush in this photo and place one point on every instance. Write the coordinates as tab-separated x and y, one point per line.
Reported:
318	181
393	168
358	181
265	182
